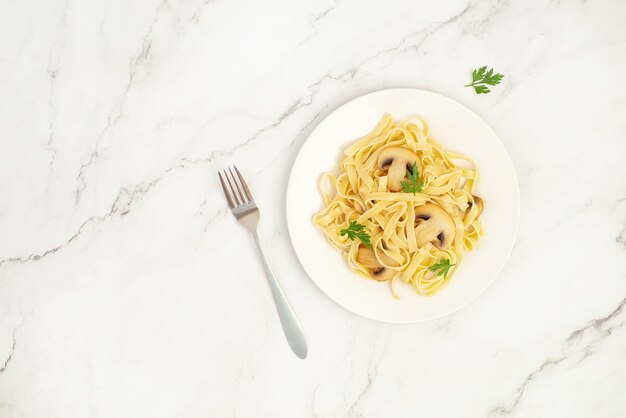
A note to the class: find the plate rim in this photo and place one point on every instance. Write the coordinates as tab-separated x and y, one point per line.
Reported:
508	161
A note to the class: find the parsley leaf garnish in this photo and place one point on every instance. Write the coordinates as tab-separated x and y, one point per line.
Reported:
441	267
356	230
414	185
481	76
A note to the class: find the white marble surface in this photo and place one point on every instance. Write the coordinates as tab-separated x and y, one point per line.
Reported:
126	290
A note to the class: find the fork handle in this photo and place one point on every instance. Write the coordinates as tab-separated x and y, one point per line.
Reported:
291	326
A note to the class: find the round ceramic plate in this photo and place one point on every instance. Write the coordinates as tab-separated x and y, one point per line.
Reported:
457	128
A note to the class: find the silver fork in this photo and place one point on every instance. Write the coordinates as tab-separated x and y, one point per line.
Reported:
244	209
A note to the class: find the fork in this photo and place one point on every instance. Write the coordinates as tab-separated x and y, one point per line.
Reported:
246	212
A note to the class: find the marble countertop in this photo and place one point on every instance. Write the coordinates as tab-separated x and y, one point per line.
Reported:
126	290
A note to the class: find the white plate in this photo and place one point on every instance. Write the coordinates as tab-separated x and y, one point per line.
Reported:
456	128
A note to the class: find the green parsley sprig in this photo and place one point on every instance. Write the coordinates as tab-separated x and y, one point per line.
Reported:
356	230
481	77
441	267
414	185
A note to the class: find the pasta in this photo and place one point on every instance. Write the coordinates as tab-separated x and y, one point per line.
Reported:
411	227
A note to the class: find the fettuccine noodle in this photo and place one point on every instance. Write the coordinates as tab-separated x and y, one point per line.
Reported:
410	232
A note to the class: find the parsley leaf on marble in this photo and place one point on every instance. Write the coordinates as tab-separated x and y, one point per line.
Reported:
356	230
482	77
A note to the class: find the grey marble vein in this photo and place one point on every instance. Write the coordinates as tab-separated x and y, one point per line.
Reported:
196	14
6	362
298	104
445	327
54	58
425	33
122	205
314	401
621	237
374	359
213	217
596	324
245	364
199	210
314	22
572	348
35	257
291	110
353	408
502	410
115	113
315	19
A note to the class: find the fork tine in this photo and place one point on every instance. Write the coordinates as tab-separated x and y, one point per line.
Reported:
238	199
244	198
244	184
226	192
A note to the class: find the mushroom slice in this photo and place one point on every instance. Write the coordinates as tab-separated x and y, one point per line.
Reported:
433	224
367	257
398	161
383	274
